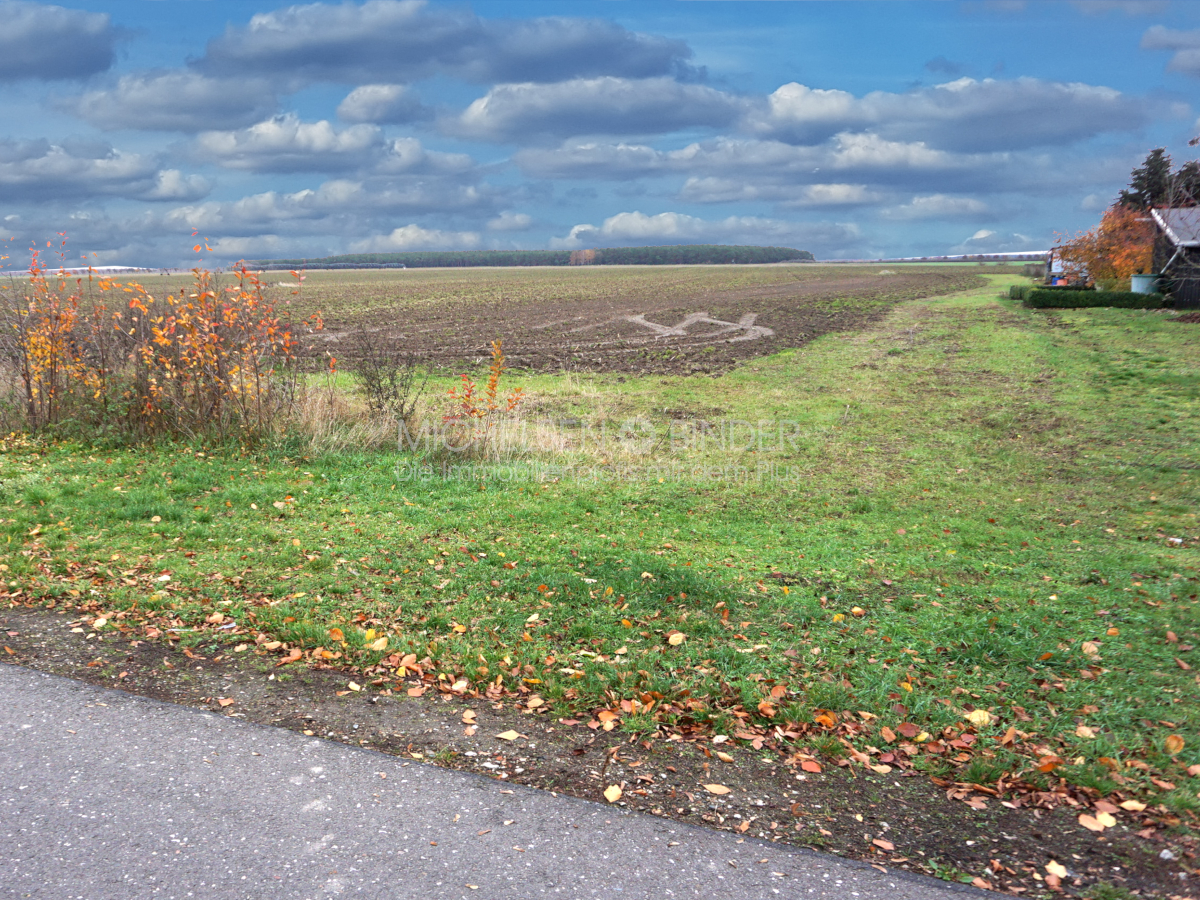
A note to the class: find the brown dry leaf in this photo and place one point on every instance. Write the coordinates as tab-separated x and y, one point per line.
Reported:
416	691
9	650
612	793
224	701
1056	869
294	654
766	708
354	686
1174	743
881	769
1106	819
811	765
468	717
380	644
887	734
778	692
1091	823
717	789
509	735
534	702
470	730
1084	731
675	638
724	757
884	845
1133	805
1194	771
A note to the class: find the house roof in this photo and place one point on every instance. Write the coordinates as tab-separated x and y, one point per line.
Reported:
1180	225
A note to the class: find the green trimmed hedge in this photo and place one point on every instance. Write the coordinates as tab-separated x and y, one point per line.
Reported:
1051	299
1021	291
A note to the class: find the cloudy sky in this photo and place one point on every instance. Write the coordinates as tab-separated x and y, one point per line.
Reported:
848	129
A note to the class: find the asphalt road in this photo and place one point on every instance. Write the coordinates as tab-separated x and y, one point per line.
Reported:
108	795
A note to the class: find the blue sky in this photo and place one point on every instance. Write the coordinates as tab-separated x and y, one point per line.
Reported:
848	129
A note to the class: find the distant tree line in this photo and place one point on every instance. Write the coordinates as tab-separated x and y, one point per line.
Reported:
684	254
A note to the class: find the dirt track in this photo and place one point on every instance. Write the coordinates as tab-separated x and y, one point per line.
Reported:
638	332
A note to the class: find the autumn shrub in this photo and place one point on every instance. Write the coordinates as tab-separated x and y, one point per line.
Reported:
1120	246
473	423
96	356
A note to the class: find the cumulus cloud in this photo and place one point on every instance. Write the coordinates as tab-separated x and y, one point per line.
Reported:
961	115
49	42
677	228
414	237
39	170
171	184
510	221
404	40
175	100
590	106
1185	46
286	144
385	104
713	189
936	206
985	241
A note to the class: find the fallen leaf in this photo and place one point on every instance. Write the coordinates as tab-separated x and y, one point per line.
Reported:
766	708
811	765
887	734
676	638
612	793
509	735
979	717
1056	869
1091	823
354	686
1084	731
224	701
380	644
416	691
717	789
1174	743
534	702
1106	819
99	623
724	757
1133	805
1194	771
468	717
883	845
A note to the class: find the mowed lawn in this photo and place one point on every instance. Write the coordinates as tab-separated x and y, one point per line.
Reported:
969	508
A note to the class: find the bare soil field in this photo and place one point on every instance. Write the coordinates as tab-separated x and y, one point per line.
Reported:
663	320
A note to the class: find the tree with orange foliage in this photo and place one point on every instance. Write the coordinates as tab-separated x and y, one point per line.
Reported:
1120	246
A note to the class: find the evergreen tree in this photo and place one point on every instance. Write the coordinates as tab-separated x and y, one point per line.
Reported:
1150	185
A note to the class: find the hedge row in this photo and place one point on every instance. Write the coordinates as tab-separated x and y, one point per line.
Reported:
1021	291
1043	299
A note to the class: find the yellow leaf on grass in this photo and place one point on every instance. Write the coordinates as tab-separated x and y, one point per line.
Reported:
1174	743
336	635
717	789
380	644
979	717
1084	731
676	638
612	793
1057	869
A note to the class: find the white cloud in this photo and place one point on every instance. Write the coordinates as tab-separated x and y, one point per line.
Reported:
986	241
171	184
414	237
286	144
673	228
49	42
961	115
175	100
38	170
1185	44
385	104
405	40
510	221
937	206
590	106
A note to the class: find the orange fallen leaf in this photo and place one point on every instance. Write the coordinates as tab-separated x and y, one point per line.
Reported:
1174	743
225	701
1090	823
509	735
1133	805
612	793
1056	869
1194	771
717	789
811	765
883	845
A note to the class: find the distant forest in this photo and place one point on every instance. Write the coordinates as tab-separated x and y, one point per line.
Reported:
683	254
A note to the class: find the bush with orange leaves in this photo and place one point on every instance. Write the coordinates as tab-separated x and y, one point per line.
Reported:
111	357
1120	246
